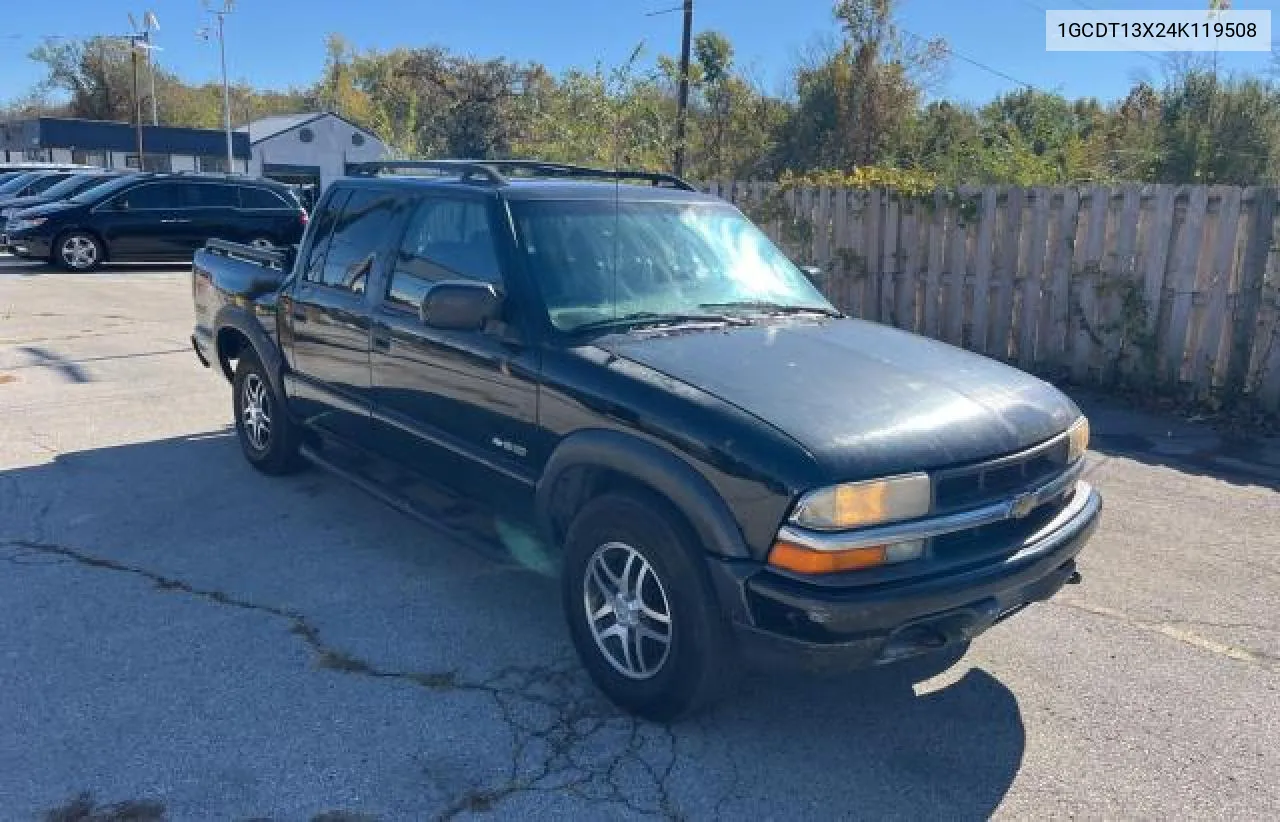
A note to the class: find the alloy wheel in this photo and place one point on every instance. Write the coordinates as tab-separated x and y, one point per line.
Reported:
79	251
627	610
255	412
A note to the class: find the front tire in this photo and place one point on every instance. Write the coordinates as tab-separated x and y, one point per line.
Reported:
78	251
268	437
641	610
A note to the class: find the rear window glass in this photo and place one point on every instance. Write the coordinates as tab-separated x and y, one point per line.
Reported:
357	238
254	197
322	233
203	195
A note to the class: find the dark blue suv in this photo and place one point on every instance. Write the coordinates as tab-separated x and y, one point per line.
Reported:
158	217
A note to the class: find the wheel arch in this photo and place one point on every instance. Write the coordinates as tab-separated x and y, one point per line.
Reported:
56	248
238	331
589	463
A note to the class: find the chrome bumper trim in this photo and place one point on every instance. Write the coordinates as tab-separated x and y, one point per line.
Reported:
1014	507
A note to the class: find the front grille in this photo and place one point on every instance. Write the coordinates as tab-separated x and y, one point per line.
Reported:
969	486
999	537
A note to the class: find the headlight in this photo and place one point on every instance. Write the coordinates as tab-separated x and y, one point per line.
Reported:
1077	440
23	225
856	504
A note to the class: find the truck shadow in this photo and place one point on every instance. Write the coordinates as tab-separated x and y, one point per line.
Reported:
357	579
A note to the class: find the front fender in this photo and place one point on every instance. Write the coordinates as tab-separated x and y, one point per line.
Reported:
651	465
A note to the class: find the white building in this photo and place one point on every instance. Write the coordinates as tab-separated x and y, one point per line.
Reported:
309	149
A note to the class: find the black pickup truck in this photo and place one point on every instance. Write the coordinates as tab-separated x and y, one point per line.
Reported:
724	466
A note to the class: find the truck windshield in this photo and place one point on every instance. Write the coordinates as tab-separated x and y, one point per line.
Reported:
594	262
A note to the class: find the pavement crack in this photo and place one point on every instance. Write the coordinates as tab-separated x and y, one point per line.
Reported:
1172	630
565	737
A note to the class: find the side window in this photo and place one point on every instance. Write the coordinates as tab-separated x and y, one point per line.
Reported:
207	195
253	197
357	238
154	195
444	240
322	232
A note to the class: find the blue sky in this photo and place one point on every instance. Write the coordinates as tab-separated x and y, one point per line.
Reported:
276	43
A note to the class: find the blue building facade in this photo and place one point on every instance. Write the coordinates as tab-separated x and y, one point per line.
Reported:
114	145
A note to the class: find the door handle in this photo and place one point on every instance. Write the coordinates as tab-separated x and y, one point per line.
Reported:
176	220
382	339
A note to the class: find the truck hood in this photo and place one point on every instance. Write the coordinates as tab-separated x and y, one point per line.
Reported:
864	399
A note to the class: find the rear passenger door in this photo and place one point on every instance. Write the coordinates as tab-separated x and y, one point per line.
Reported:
213	209
328	310
469	392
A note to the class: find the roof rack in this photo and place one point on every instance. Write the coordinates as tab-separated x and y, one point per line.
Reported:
492	171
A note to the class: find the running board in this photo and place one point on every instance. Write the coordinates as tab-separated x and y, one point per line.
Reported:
443	511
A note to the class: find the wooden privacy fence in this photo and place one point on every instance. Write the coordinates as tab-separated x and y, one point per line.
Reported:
1165	286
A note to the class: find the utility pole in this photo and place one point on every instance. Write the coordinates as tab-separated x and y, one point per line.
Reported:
226	90
228	6
137	98
151	67
683	101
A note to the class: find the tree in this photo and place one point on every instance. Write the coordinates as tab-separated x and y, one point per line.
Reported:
1221	132
855	103
96	74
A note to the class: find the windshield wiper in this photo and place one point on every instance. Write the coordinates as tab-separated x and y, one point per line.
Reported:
766	307
650	319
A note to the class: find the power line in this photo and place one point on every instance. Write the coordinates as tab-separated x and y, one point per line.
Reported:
1087	7
971	61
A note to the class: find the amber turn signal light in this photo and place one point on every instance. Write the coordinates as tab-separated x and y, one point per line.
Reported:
805	561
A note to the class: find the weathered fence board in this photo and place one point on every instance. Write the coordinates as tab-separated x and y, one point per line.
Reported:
1143	284
1034	281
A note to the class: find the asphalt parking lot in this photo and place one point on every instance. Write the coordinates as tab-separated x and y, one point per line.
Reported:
181	637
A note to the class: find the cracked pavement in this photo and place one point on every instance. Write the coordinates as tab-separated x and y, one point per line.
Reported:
183	636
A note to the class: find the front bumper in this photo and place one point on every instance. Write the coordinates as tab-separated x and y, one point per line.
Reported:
782	620
27	244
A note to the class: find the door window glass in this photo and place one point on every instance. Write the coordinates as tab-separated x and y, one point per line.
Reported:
204	195
253	197
445	240
323	232
154	195
357	238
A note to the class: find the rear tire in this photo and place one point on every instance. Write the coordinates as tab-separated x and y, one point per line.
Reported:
269	438
641	610
78	251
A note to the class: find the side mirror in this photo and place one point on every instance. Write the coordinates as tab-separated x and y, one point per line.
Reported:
459	305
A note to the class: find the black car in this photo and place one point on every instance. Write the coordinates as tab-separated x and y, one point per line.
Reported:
64	189
721	463
30	184
155	217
